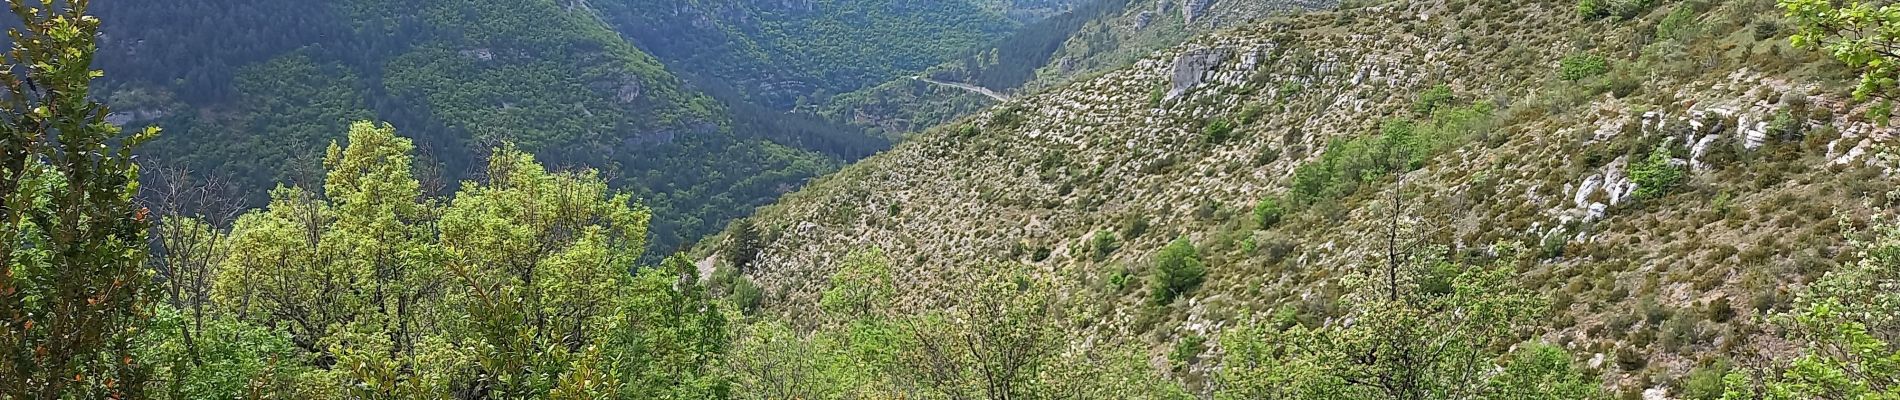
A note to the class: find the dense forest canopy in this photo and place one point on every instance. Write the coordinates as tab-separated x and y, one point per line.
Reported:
252	90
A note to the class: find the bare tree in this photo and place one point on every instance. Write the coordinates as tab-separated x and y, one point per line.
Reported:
188	240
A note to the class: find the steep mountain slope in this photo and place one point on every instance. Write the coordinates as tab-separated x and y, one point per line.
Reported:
779	53
254	91
1090	38
1663	176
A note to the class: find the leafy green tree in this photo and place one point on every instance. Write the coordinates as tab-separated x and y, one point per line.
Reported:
671	341
233	359
1101	245
1862	34
1848	321
997	347
745	246
861	288
73	288
1177	270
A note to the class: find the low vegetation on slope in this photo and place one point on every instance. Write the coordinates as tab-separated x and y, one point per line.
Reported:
1665	176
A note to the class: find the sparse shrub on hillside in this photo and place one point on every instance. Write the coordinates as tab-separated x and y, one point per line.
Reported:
1431	99
1720	310
1706	382
1009	117
1178	270
1592	9
1250	114
1402	145
1631	359
1656	174
1133	226
1679	24
1268	212
1844	322
1578	67
1217	131
1101	245
1765	30
1187	351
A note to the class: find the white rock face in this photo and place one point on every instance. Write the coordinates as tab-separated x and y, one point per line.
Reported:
1753	136
1656	393
1192	68
1701	147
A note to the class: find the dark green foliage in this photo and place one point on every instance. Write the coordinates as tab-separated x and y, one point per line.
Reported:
73	287
1249	114
1268	212
252	92
1177	271
1433	98
1578	67
1402	145
1133	226
1705	382
1012	61
1101	245
1679	24
1187	351
1657	174
781	54
1631	359
1217	131
1593	8
745	295
744	246
1624	9
1720	310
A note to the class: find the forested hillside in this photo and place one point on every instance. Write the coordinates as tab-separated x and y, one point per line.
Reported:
785	53
1092	37
251	92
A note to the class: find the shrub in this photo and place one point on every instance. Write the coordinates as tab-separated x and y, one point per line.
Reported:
747	296
1178	270
1432	98
744	246
1578	67
1630	359
1720	310
1217	131
1250	114
1678	24
1133	226
1656	175
1592	9
1267	213
1705	382
1102	244
1187	350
